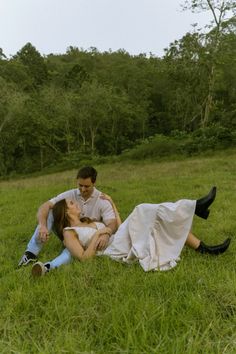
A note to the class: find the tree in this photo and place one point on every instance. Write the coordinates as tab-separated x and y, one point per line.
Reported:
75	77
223	13
34	63
92	106
2	55
185	82
11	107
15	72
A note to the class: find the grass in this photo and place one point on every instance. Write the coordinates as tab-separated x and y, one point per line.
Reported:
103	307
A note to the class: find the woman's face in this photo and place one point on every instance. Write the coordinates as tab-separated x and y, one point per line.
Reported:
73	208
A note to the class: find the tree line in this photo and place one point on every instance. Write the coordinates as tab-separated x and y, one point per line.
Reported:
86	102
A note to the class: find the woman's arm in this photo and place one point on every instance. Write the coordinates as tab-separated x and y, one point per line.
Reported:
72	243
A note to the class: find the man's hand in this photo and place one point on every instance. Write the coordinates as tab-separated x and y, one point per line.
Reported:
102	242
43	234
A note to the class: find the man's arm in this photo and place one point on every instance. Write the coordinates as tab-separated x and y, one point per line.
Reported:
118	218
42	216
43	211
117	215
113	223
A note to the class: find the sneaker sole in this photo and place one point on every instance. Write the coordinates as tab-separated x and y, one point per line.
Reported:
38	269
23	264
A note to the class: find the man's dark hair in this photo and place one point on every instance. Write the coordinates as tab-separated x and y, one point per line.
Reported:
87	172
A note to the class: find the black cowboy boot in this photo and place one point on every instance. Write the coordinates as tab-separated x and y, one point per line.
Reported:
215	250
203	204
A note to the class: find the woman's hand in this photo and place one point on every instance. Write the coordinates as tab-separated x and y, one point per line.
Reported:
103	238
102	242
106	197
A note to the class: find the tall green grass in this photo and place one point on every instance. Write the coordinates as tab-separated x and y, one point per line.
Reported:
106	307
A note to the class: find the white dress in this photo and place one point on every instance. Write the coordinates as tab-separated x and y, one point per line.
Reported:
153	235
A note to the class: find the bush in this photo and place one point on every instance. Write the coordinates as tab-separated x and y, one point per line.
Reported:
180	143
156	146
214	137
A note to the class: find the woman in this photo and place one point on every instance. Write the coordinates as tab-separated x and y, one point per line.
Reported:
153	234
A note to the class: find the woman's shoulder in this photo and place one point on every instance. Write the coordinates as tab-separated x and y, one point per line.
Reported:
78	229
85	229
70	229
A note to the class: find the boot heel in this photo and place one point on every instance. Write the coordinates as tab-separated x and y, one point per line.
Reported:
205	214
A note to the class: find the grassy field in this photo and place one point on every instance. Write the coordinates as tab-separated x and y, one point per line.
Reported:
106	307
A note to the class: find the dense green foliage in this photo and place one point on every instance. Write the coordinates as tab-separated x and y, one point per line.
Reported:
83	102
180	144
102	306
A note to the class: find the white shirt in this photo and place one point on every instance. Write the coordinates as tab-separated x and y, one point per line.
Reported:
94	207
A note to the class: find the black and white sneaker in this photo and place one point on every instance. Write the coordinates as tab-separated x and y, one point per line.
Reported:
27	258
39	269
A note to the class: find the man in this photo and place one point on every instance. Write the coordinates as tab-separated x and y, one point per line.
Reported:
92	205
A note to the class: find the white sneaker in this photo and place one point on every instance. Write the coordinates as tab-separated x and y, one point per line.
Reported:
39	269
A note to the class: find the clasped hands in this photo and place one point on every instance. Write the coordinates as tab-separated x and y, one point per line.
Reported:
103	238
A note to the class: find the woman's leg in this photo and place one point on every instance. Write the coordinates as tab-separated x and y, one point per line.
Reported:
193	242
40	268
63	258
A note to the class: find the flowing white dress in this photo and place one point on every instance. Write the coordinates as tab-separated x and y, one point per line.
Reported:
153	235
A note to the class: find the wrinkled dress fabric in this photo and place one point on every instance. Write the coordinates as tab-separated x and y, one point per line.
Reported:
153	234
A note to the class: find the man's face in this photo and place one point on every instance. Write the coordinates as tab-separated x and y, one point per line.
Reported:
85	186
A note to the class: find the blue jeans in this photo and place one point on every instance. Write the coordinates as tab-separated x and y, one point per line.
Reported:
35	246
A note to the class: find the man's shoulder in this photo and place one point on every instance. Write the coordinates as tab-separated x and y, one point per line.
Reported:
74	191
97	196
103	203
71	193
96	193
